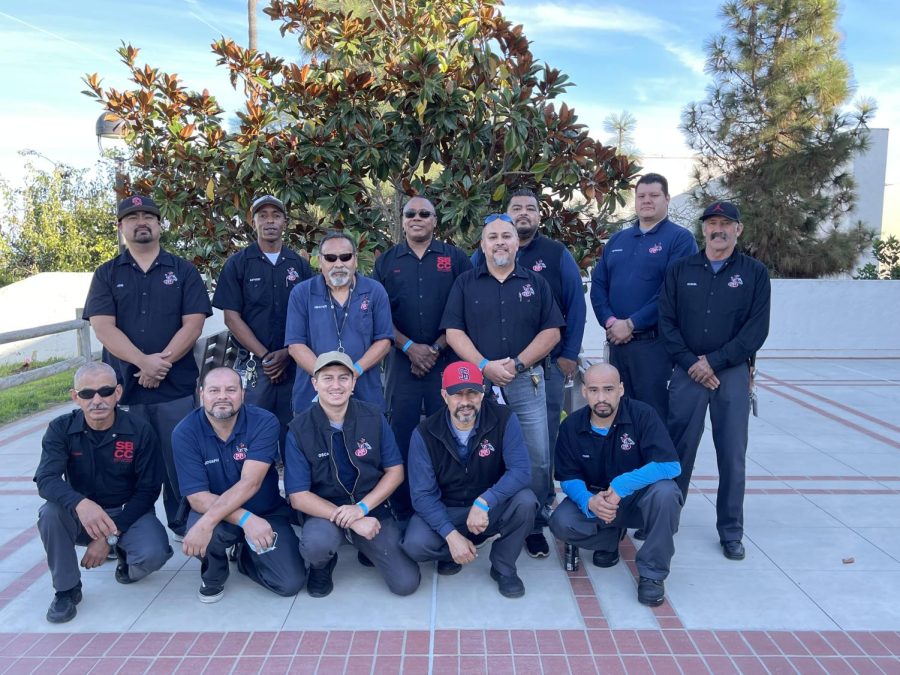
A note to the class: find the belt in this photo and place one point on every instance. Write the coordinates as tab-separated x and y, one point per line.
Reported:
651	334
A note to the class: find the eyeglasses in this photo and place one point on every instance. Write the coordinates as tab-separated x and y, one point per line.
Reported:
422	213
88	394
490	218
334	257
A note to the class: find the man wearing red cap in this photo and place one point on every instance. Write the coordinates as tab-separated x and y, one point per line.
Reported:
469	477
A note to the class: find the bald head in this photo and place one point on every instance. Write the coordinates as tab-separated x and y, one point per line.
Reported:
602	389
605	371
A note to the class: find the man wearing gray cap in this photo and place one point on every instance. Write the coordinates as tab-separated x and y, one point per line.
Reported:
714	316
341	466
253	292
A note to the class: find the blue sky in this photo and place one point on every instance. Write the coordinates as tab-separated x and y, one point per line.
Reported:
645	57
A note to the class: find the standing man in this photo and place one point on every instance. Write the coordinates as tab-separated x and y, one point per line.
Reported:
100	472
714	316
343	311
625	290
417	275
503	317
469	475
615	462
342	466
253	291
226	453
147	308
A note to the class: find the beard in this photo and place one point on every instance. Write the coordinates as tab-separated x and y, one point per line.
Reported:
465	414
221	412
500	259
603	410
339	278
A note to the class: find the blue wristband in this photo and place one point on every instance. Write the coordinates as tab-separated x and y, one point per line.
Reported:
483	363
481	504
365	509
358	368
243	519
406	347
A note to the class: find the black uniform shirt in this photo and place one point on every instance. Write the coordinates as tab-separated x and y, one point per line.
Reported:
501	319
418	289
258	290
723	315
148	308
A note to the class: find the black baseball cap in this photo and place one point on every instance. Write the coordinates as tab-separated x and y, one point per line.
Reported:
267	200
724	209
137	203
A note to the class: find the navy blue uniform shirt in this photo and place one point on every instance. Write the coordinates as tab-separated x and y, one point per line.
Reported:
312	321
501	319
205	463
722	315
258	290
418	288
148	308
628	277
556	265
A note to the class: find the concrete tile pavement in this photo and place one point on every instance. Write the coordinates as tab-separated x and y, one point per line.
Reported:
823	489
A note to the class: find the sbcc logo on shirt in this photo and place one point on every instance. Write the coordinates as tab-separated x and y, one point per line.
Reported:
539	266
485	449
124	452
292	274
170	278
736	281
526	292
627	442
443	263
362	448
656	248
240	452
364	305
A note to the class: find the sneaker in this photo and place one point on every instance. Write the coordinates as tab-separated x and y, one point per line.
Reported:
651	592
447	568
319	582
177	537
122	575
606	558
640	534
510	586
210	594
536	545
63	608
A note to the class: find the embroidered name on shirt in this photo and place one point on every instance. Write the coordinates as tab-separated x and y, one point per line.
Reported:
323	454
255	279
211	461
692	283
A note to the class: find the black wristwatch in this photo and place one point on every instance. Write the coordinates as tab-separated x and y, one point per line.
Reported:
520	367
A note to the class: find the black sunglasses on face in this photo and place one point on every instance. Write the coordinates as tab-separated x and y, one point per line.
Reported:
497	216
334	257
421	212
88	394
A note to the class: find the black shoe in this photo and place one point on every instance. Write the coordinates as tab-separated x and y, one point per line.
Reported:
210	594
640	534
122	568
63	608
733	549
364	559
651	592
318	582
606	558
536	545
447	568
510	586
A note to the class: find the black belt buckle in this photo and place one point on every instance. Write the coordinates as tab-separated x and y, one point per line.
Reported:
651	334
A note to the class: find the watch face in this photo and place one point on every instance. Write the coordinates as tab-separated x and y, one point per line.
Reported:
112	540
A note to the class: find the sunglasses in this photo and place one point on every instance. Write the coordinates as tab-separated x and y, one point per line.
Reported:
334	257
88	394
490	218
422	213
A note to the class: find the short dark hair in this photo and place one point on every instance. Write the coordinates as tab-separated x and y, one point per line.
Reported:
522	192
218	368
335	234
648	178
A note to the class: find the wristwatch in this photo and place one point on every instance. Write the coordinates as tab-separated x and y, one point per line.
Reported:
112	540
520	367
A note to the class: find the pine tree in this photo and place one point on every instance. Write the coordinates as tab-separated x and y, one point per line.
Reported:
773	135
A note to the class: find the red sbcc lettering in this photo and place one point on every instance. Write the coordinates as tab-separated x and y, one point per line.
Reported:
124	451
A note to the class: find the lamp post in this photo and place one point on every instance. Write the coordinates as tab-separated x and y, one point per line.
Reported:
110	131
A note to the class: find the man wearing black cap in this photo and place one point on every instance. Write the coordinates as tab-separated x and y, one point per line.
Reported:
147	308
469	477
714	316
341	467
253	291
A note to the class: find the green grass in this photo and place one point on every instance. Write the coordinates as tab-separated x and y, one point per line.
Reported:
14	368
33	397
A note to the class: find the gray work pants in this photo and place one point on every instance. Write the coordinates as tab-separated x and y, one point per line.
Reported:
321	539
656	508
145	544
513	520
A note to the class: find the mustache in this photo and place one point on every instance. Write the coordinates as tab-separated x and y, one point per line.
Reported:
718	235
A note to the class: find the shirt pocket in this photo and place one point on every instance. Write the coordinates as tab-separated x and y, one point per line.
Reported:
361	319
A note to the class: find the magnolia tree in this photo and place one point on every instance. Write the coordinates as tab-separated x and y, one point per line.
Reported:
435	97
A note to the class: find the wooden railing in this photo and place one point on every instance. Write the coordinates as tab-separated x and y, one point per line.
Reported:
84	350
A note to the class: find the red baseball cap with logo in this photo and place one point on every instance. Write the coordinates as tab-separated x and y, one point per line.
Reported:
461	375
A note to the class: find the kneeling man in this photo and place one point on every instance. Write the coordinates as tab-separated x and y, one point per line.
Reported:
100	472
469	477
225	455
341	466
615	462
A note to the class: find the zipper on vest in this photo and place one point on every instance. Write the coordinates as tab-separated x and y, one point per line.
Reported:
337	473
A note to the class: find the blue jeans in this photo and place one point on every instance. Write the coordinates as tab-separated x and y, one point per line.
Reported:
530	405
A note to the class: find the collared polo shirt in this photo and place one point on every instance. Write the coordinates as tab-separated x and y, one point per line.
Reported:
259	291
205	463
501	318
148	307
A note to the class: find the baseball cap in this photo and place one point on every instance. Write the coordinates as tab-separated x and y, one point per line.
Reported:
267	200
724	209
137	203
334	358
461	375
